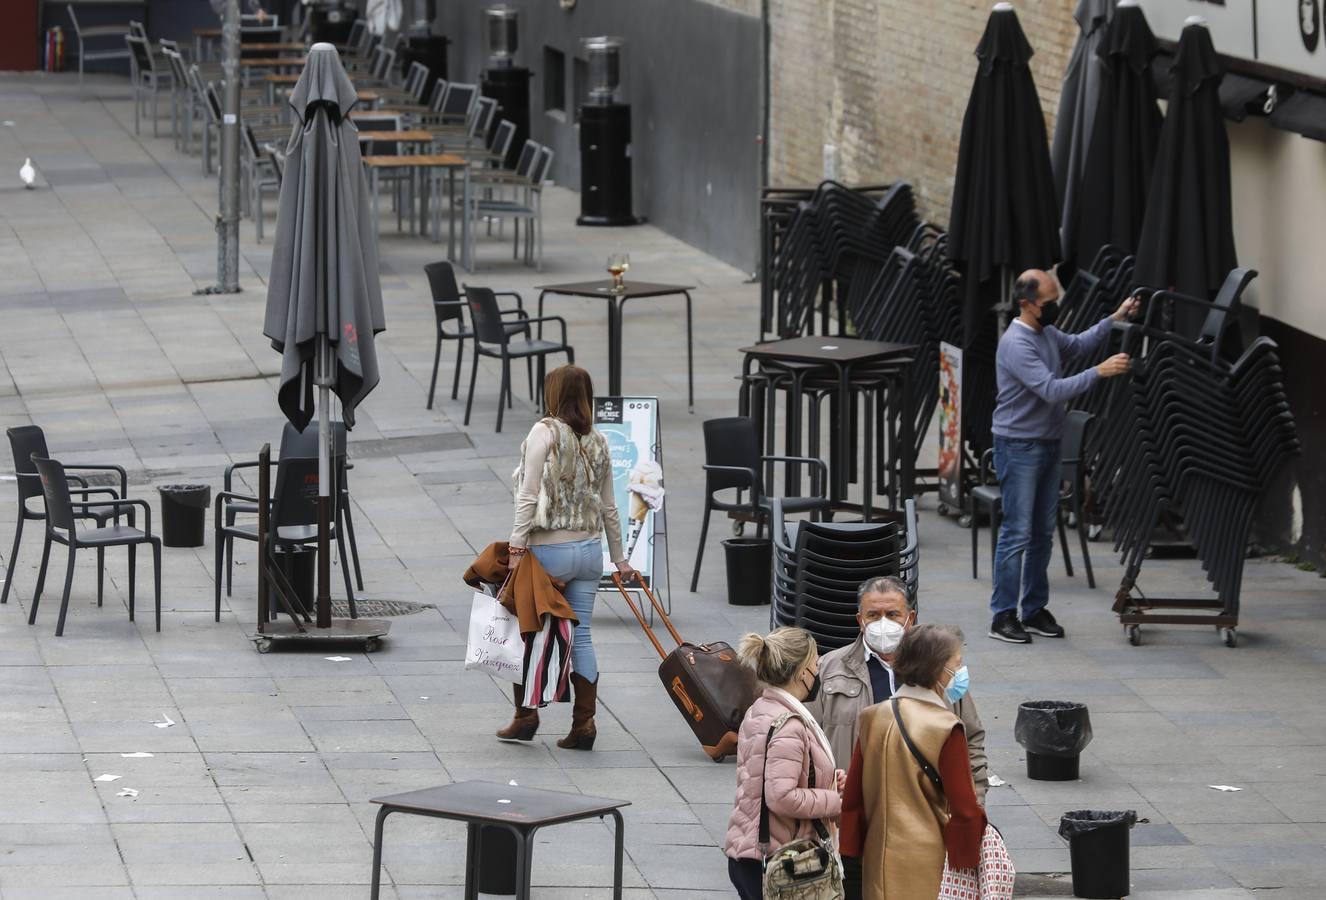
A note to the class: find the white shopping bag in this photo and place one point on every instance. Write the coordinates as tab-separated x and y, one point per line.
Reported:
495	644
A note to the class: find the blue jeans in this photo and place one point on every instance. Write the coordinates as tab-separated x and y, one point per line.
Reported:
1028	473
579	564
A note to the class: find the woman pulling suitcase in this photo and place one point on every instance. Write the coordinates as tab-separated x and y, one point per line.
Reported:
564	505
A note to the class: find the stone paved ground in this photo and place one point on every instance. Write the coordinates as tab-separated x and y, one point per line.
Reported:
260	789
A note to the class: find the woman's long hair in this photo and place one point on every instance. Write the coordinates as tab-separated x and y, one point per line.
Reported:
568	394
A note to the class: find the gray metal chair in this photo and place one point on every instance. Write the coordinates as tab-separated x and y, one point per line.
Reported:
111	33
146	76
62	515
527	205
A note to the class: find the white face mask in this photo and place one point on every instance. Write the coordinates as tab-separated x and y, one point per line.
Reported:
884	635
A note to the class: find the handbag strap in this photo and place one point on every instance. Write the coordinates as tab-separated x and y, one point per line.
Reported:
929	770
763	842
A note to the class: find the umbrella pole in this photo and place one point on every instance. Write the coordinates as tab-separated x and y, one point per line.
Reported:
323	381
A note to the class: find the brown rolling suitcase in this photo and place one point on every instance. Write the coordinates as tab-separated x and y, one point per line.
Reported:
710	687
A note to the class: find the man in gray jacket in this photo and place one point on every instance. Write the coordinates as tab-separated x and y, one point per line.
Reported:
855	677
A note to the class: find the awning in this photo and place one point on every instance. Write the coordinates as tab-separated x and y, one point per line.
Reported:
1241	95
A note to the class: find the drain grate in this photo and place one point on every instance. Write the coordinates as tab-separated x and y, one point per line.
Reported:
369	608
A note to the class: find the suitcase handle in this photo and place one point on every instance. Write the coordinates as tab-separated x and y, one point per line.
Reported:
621	586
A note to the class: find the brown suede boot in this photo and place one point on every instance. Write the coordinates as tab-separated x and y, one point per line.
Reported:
583	731
525	723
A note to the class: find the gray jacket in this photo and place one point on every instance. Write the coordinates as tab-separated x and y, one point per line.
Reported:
845	692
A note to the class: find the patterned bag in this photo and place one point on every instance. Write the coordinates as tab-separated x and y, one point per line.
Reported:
992	880
803	869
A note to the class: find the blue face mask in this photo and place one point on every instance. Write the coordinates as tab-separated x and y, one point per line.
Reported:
957	686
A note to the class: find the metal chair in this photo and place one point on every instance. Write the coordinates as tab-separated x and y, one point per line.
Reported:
528	205
449	309
262	172
732	460
492	339
113	32
145	75
294	519
27	441
61	519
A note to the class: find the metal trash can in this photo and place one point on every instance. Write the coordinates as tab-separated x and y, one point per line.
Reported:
749	570
1098	848
184	514
1054	733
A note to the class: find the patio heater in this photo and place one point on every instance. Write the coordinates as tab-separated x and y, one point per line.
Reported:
503	80
605	140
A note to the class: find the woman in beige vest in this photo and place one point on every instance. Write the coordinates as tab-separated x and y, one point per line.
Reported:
895	817
564	507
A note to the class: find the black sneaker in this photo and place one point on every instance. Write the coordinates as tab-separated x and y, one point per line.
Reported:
1005	627
1042	623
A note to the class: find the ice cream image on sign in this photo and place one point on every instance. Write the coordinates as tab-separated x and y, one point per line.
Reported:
646	489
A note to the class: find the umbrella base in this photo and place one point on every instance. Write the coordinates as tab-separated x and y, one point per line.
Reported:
367	632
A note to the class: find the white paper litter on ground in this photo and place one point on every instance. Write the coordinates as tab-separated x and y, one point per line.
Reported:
127	792
1224	787
167	723
108	777
503	801
139	755
512	782
337	658
996	781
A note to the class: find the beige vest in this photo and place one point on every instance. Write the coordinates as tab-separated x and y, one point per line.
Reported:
905	812
569	498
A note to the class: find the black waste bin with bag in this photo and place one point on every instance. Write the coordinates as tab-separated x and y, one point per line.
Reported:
1054	733
1098	848
184	514
749	570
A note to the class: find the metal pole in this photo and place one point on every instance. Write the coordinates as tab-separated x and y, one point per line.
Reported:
227	221
323	379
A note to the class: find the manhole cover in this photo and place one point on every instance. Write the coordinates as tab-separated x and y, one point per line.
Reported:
378	609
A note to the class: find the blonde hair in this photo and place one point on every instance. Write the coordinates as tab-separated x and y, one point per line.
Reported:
777	656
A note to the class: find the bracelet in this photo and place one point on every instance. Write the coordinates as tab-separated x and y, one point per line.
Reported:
517	551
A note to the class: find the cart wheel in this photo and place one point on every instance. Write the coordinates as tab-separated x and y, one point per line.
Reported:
942	509
264	645
738	529
371	645
1231	638
1094	532
1135	635
964	520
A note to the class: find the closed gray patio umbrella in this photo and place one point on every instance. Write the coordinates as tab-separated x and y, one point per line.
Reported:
324	300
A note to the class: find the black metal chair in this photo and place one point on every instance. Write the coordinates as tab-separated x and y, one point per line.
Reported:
732	460
27	441
449	309
294	519
298	444
60	528
986	495
493	340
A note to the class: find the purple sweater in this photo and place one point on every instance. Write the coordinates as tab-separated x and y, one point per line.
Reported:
1029	373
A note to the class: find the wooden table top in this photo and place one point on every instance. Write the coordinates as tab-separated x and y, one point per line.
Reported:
285	47
207	32
273	62
418	161
282	78
409	136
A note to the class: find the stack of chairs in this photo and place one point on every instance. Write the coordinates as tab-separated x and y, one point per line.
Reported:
1199	433
818	567
822	244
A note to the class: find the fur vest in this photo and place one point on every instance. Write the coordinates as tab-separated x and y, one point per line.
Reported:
569	492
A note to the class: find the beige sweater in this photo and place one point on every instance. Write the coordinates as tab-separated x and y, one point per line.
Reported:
523	532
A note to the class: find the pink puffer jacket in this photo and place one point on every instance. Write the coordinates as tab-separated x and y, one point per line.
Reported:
792	805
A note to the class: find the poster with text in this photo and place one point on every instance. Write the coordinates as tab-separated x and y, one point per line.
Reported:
630	426
950	425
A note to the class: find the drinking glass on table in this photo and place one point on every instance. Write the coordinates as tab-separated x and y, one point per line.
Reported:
618	265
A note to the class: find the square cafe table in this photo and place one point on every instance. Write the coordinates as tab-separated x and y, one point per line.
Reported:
430	164
842	355
633	290
520	810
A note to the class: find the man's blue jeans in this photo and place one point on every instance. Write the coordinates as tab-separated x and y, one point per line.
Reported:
1028	473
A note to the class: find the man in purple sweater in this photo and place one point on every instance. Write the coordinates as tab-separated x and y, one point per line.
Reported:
1028	422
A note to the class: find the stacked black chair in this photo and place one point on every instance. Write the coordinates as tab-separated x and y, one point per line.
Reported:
1203	437
818	567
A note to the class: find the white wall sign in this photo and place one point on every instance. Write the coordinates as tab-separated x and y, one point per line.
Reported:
1285	34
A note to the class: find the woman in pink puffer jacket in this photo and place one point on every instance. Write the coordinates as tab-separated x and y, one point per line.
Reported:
788	661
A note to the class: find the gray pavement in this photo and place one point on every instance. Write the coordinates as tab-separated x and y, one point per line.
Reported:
260	788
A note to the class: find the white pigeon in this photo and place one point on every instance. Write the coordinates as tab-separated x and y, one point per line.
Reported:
27	173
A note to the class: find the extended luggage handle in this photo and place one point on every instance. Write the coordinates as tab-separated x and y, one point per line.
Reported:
658	607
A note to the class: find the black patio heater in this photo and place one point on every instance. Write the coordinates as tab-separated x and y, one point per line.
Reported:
503	80
605	140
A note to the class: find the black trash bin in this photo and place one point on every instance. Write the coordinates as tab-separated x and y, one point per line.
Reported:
1098	848
749	570
184	514
1054	734
497	860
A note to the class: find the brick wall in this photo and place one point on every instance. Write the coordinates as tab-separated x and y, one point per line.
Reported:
887	81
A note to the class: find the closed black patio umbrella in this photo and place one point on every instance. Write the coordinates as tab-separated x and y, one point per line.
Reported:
1004	217
1078	99
324	300
1121	155
1187	239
